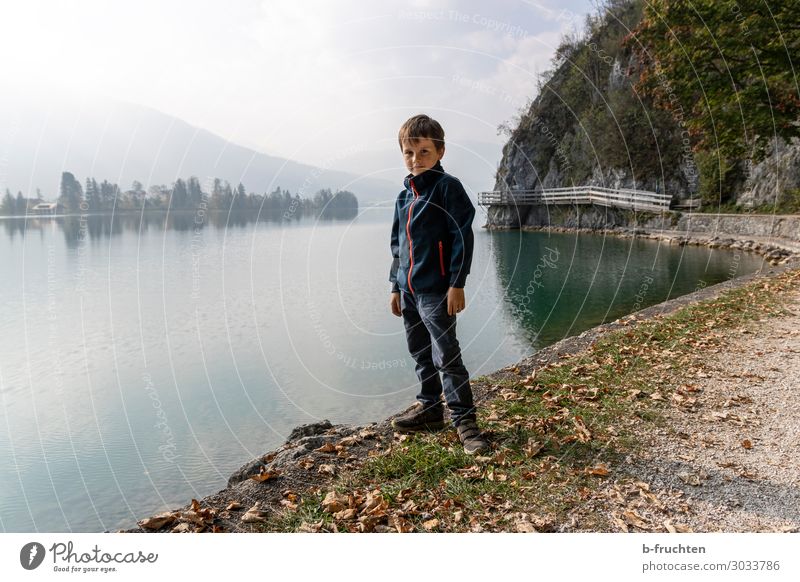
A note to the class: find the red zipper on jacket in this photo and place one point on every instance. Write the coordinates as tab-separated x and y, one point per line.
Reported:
408	235
441	257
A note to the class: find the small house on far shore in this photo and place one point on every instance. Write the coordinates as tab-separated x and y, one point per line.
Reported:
46	208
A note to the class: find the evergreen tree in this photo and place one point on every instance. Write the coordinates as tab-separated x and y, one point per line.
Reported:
93	196
71	193
180	196
8	206
227	196
240	199
22	204
137	195
195	192
109	195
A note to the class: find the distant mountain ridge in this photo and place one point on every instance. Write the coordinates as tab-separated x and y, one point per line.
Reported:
122	142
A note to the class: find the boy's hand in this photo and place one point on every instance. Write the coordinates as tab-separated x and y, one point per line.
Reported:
455	300
394	303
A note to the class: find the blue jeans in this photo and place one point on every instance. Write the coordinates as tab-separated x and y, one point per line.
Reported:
432	342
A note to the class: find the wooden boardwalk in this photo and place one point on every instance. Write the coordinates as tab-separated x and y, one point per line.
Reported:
614	197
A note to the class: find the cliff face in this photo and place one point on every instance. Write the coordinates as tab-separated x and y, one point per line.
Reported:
775	179
588	126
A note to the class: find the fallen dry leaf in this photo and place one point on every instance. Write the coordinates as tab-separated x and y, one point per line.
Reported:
367	523
254	515
306	527
525	527
621	525
374	504
195	517
599	470
334	502
533	448
306	463
401	524
158	521
634	519
344	514
265	475
349	441
581	431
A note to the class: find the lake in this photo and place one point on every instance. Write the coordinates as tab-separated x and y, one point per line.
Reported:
144	359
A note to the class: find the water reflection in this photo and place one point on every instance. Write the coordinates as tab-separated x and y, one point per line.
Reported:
557	285
100	226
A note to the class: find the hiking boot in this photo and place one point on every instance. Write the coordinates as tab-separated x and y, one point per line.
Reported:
471	437
420	418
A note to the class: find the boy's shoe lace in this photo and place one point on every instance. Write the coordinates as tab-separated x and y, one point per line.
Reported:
471	437
420	418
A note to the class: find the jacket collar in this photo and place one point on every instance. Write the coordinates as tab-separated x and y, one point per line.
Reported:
426	178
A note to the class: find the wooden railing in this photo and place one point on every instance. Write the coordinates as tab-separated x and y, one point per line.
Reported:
616	197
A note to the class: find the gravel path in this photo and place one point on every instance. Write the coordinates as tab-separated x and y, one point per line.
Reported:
727	457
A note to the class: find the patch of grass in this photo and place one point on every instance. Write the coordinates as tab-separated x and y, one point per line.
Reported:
424	457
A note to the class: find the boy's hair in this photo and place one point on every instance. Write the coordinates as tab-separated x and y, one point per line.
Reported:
421	127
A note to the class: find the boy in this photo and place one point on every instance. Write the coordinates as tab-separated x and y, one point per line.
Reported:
432	252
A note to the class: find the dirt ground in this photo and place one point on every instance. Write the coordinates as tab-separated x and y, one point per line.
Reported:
727	457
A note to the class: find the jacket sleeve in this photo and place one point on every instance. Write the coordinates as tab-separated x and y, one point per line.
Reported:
395	245
460	213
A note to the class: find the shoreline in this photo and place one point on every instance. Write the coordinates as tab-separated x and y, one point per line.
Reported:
776	250
315	454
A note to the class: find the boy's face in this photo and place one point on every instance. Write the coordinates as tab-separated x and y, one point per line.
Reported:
421	155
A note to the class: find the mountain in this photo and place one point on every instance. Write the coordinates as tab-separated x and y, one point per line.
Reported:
42	135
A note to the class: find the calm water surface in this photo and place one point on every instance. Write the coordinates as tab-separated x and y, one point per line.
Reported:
143	360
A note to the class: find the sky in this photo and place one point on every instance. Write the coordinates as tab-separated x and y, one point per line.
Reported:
325	83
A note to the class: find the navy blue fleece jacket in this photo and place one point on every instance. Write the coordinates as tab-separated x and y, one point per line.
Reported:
432	238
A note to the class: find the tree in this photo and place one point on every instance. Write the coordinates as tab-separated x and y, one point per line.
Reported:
240	200
136	195
194	191
21	204
275	200
227	196
109	194
180	196
71	193
8	206
93	196
724	69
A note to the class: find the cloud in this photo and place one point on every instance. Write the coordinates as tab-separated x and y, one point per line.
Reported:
295	79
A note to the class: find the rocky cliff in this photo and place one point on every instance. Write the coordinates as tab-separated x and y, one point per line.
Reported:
589	126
